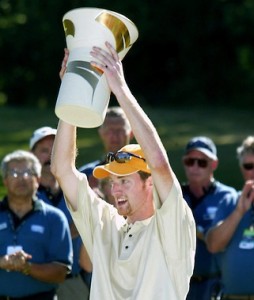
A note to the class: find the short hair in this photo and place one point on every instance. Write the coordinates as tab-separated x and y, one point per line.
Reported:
144	175
21	155
247	147
117	112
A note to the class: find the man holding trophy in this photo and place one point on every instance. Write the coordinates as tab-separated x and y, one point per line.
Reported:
143	248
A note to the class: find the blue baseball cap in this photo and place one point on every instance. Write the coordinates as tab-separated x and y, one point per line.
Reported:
204	145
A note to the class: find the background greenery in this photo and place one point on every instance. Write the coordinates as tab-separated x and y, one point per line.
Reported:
225	125
192	68
187	51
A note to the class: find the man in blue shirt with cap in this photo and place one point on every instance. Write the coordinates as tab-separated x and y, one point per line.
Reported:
203	194
41	143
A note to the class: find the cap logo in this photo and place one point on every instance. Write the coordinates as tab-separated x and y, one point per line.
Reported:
200	144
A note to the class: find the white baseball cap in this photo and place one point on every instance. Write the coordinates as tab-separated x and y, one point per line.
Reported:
40	134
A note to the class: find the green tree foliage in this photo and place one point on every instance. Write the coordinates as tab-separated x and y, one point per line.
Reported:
187	52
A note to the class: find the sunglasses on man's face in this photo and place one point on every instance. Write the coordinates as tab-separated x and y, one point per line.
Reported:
189	162
122	157
248	166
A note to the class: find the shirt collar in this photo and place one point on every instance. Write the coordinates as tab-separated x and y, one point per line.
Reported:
37	204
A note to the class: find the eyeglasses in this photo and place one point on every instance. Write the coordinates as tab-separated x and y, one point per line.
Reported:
122	157
248	166
189	162
25	173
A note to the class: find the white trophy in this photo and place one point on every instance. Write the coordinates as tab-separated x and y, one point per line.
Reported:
84	93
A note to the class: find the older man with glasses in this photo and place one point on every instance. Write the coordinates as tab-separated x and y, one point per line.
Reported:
203	194
35	241
233	232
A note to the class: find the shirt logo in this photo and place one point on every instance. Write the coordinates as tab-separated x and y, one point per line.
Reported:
13	249
247	242
210	213
37	228
3	226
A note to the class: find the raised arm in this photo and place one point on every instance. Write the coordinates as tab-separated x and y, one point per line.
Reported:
218	237
64	152
63	161
143	129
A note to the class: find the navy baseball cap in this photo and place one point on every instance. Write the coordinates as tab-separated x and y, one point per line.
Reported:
204	145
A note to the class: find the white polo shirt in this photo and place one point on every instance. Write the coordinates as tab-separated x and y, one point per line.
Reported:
151	260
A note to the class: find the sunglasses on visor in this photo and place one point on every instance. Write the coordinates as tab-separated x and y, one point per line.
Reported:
122	157
248	166
189	162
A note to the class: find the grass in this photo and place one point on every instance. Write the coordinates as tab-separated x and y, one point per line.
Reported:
226	126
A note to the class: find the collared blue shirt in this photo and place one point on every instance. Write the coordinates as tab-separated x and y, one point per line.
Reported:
59	202
44	233
238	257
204	211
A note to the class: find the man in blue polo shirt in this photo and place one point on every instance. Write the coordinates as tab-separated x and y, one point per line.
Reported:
233	232
35	241
203	194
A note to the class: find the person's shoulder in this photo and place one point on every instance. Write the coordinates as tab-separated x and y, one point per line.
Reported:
48	209
88	168
222	187
229	202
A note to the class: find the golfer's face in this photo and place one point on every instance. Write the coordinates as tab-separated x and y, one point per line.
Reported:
129	193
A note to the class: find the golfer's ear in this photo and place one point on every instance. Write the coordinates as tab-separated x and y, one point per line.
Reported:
149	181
215	164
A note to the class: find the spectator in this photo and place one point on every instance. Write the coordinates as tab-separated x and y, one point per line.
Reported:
35	242
203	194
233	231
41	144
150	253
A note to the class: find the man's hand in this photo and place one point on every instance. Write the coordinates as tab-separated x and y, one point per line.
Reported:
15	262
247	197
110	64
